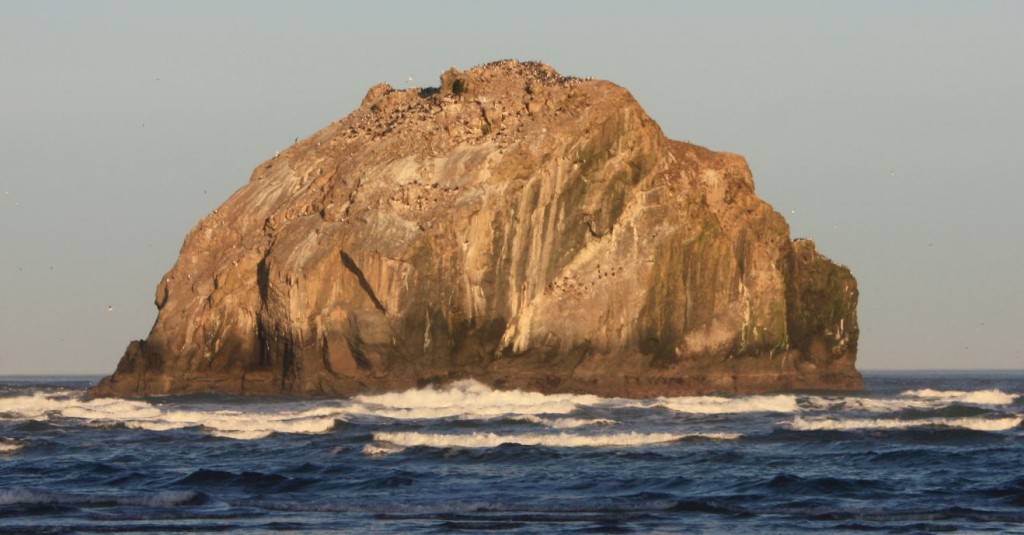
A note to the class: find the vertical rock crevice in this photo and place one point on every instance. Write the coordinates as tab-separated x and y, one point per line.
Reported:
353	268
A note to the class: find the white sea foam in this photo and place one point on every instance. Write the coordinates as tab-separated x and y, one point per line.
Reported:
976	397
912	399
255	434
10	445
243	425
466	399
863	404
976	424
723	405
143	415
42	406
109	409
35	407
391	442
565	423
151	425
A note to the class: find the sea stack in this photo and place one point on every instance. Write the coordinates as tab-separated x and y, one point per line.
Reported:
514	226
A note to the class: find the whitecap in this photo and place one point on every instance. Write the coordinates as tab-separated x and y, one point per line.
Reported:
865	404
235	434
976	397
922	399
44	406
154	425
565	423
724	405
467	399
109	409
135	414
243	425
385	442
261	426
9	445
38	406
975	424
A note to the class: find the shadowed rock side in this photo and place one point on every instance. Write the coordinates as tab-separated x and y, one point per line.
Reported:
515	226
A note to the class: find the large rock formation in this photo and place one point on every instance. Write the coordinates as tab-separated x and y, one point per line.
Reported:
514	226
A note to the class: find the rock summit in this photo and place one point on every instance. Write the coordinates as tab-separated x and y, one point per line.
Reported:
514	226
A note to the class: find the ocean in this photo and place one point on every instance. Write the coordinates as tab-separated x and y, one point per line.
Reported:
917	452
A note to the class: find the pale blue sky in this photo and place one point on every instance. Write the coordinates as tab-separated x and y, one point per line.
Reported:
890	132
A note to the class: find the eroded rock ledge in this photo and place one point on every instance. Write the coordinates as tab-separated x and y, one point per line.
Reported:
515	226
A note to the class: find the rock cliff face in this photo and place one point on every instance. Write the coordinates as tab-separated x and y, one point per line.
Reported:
514	226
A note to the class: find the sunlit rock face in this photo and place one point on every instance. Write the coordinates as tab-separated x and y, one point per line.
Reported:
513	226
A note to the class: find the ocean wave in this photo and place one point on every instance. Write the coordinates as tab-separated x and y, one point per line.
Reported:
392	442
977	397
924	399
133	414
565	423
724	405
37	406
975	424
43	406
10	445
109	408
467	399
863	404
243	425
475	401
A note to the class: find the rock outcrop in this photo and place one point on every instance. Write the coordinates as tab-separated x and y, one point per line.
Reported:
515	226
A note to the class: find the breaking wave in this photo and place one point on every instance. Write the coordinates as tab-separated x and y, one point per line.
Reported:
470	400
976	397
922	399
392	442
250	424
565	423
723	405
239	425
10	445
975	424
467	399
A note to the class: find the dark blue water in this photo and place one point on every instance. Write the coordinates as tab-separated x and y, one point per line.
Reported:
918	452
